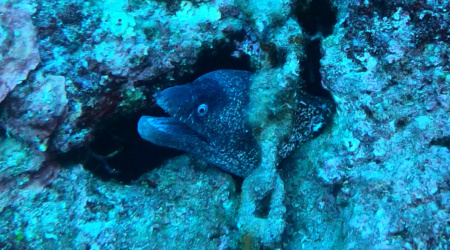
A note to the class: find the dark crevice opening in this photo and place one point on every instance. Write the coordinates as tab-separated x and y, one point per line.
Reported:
238	181
220	57
319	16
263	206
442	142
2	133
316	18
311	70
117	152
336	189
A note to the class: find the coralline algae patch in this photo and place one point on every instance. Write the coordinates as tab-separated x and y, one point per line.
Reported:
21	55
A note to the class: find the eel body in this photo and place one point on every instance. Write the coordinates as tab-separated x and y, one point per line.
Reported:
209	118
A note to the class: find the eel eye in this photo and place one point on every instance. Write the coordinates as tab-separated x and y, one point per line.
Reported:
202	109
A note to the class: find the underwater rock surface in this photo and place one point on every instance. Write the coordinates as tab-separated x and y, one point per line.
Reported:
381	175
176	206
377	178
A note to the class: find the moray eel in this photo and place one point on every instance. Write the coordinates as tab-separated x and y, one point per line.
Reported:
209	119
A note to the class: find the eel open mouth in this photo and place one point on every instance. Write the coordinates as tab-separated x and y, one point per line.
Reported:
172	132
153	127
169	132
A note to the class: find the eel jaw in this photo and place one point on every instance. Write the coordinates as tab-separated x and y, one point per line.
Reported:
169	132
